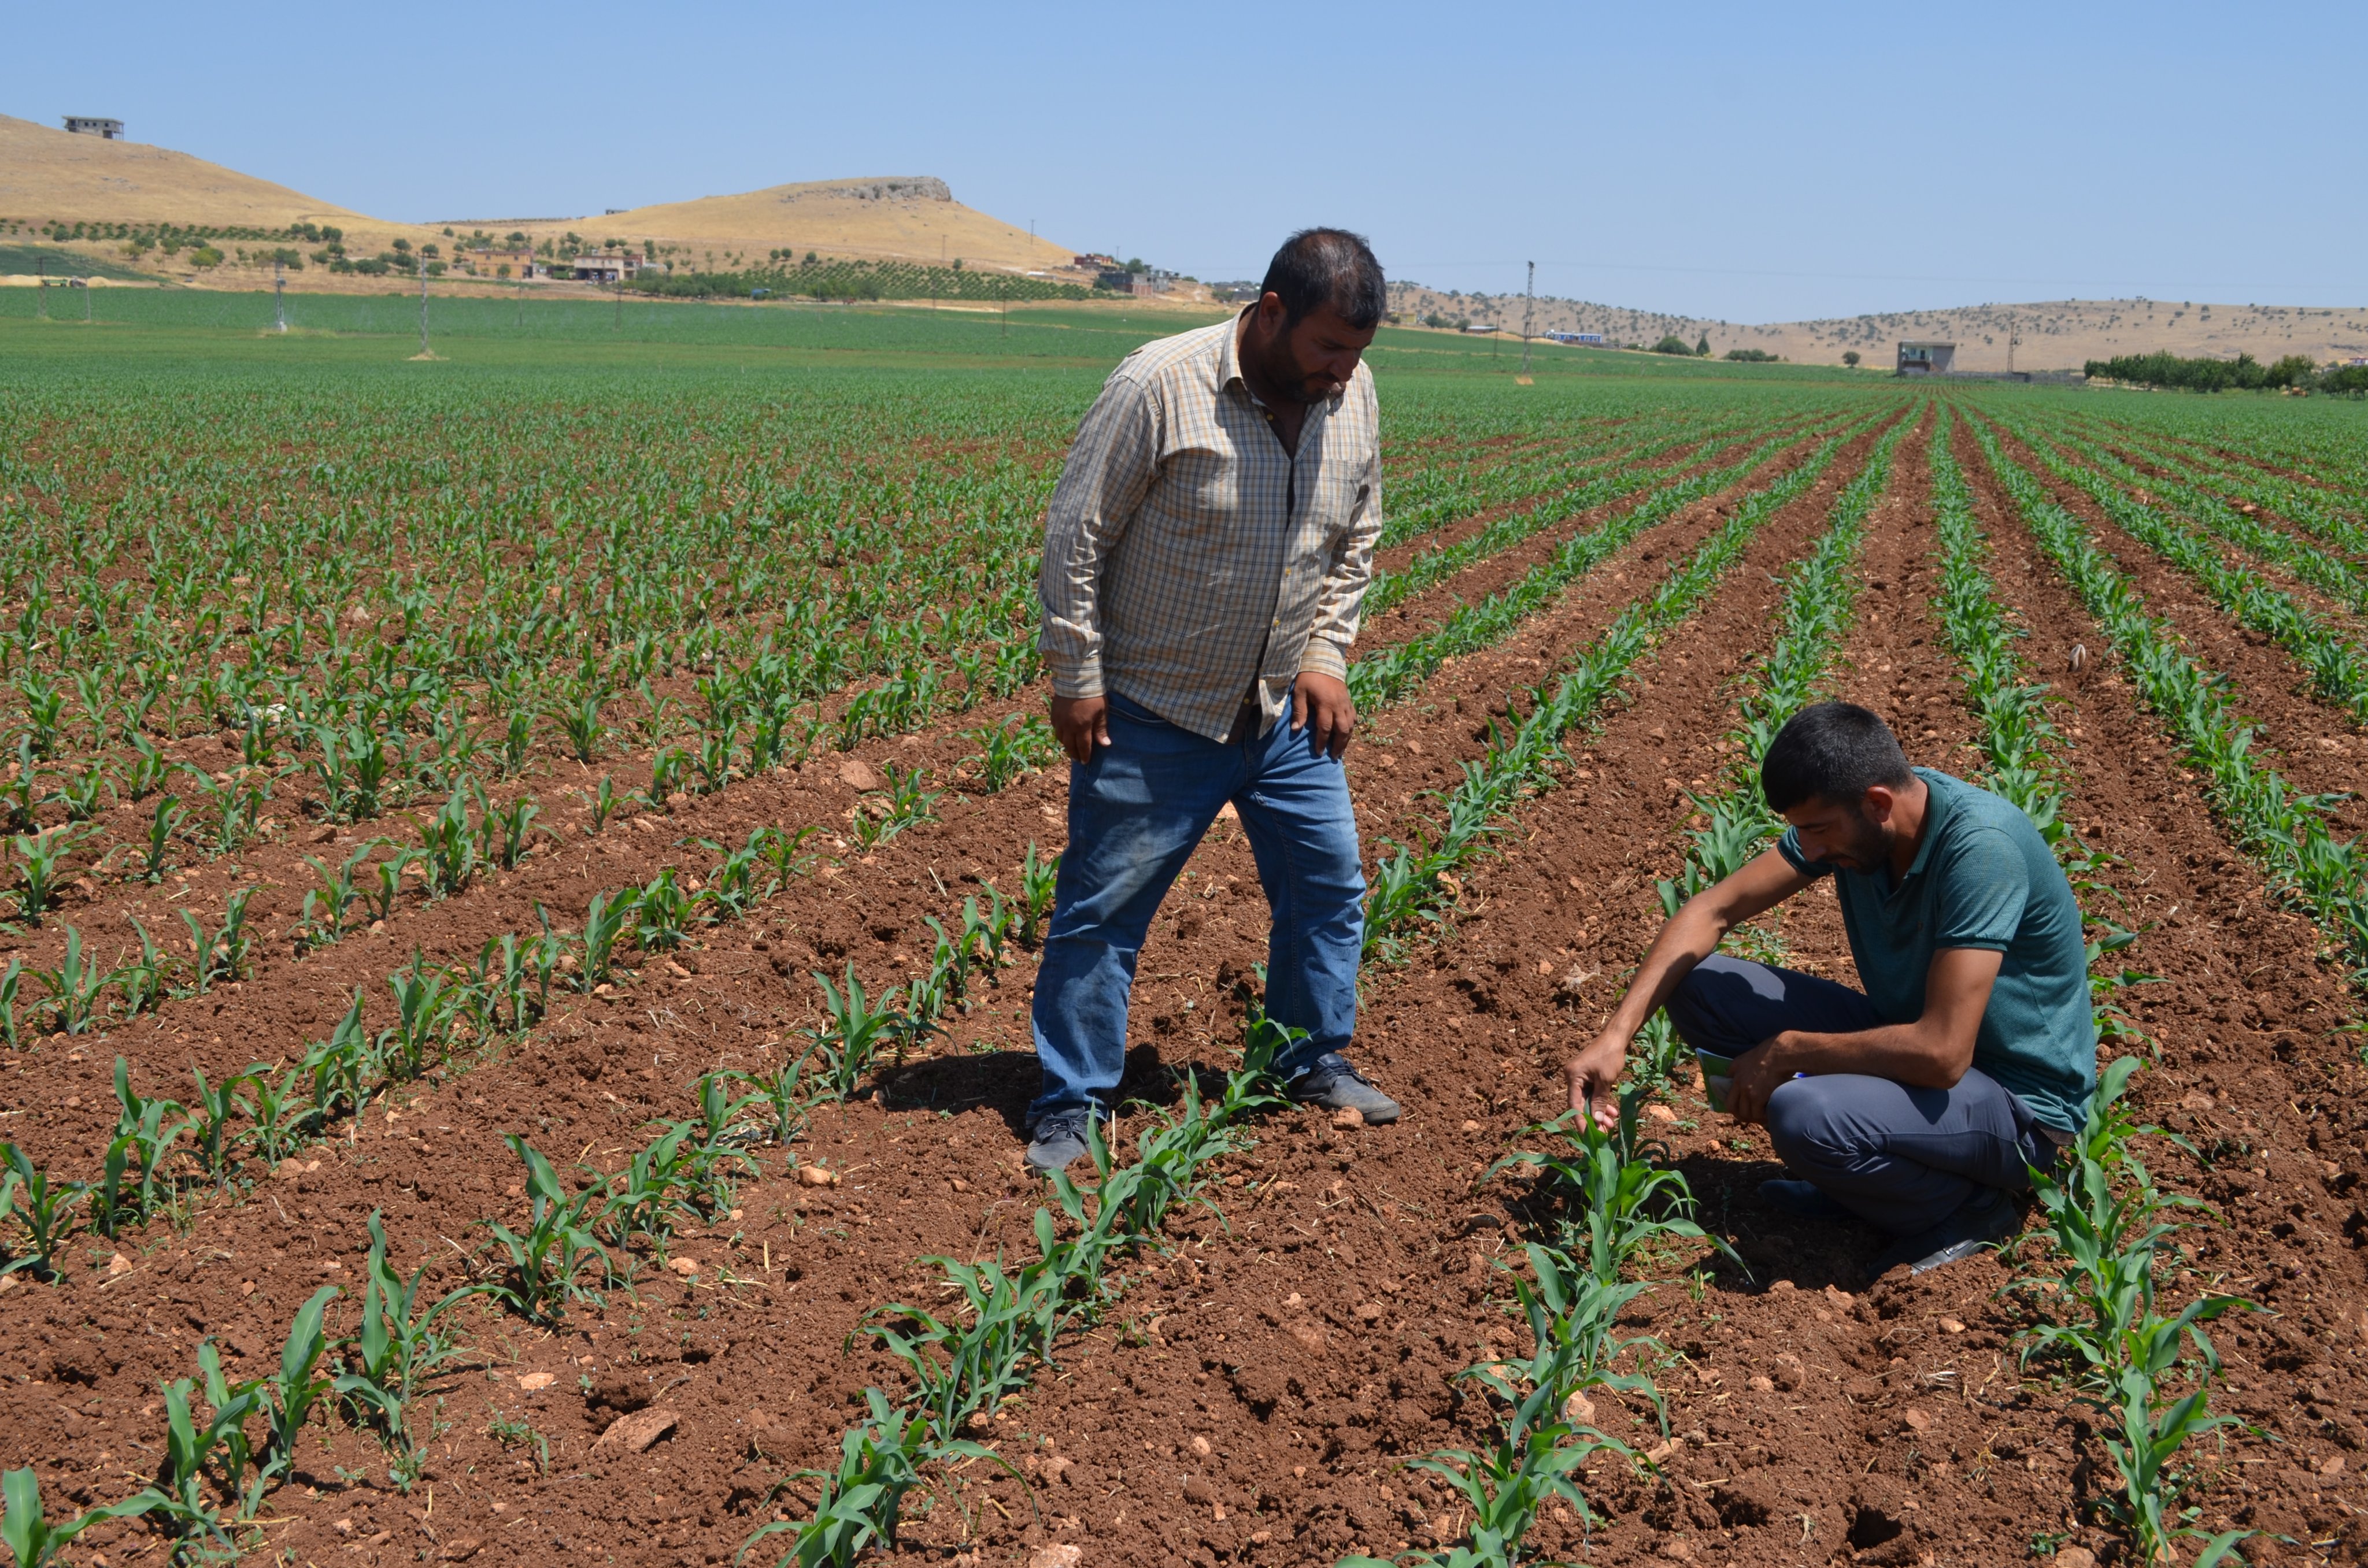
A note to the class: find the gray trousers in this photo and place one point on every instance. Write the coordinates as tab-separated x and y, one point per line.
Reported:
1898	1157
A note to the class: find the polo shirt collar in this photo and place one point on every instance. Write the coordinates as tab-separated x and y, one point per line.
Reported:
1936	812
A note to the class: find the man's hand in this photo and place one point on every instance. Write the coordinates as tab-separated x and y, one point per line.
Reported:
1759	1073
1320	705
1594	1075
1081	723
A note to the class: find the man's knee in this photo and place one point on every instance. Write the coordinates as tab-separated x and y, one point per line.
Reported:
1702	1007
1807	1122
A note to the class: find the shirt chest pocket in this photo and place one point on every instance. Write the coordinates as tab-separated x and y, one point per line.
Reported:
1202	493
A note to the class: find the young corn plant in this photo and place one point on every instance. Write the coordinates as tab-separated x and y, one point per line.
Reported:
607	921
845	1047
862	1501
212	1115
133	1185
221	954
26	1528
77	988
447	850
43	1208
41	865
1039	878
547	1261
1008	752
396	1349
163	823
327	907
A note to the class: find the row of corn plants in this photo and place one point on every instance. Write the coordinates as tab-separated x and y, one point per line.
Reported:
1614	1205
2342	581
1008	1318
2103	1212
2283	829
1820	602
1602	483
1415	884
2339	670
1391	674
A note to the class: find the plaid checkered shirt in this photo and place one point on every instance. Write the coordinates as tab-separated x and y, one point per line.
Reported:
1190	563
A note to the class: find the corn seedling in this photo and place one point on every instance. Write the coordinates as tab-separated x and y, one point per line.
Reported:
1021	744
846	1046
43	1208
862	1501
163	823
145	1131
326	908
447	850
664	913
210	1116
221	954
41	860
548	1260
396	1346
1038	880
77	988
29	1534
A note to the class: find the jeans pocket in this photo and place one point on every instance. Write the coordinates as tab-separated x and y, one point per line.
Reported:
1135	712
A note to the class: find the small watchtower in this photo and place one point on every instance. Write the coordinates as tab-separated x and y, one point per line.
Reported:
90	125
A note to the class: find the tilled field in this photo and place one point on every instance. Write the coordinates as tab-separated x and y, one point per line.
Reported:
1246	1380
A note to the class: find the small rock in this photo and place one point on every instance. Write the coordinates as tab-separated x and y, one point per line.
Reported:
463	1549
1781	1284
1951	1325
1309	1335
117	1265
815	1175
685	1267
343	1527
1579	1408
1659	1112
1059	1555
1760	1383
2196	1099
2332	1466
1918	1421
636	1432
1471	1126
2075	1557
1838	1297
321	835
858	774
1370	1311
1348	1116
535	1381
1057	1469
1200	1446
677	970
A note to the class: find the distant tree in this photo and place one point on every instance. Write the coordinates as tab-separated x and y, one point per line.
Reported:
1850	358
1751	356
204	256
1702	348
1672	344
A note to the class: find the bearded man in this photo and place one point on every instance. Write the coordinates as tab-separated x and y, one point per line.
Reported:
1921	1104
1205	557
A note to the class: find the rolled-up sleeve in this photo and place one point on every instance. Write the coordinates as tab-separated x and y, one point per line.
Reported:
1342	596
1110	468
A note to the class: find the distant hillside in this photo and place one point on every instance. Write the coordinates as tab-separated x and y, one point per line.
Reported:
907	218
49	177
2056	334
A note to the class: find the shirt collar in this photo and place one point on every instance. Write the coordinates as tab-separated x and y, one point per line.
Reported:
1937	809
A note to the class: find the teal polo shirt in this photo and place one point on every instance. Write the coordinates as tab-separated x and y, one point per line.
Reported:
1982	878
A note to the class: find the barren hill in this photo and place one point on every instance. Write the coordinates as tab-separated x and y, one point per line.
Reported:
908	217
2056	334
46	174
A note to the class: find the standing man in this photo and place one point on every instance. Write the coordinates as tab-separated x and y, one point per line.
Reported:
1918	1105
1204	560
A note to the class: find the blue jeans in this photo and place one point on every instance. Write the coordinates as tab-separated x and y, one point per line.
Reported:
1136	812
1900	1158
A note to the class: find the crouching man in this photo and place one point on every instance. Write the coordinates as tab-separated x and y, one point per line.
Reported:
1918	1105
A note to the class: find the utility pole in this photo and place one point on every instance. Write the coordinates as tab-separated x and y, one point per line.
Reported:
1529	313
423	308
279	295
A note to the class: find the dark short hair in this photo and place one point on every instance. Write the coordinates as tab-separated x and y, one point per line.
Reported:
1830	751
1327	267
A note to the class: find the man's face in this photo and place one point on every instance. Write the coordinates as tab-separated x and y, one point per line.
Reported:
1853	834
1313	360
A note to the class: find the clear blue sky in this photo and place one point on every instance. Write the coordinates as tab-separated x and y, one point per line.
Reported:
1757	163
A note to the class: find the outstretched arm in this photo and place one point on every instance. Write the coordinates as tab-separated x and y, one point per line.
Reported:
1692	936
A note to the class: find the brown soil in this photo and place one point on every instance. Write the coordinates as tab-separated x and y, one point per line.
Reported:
1256	1390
